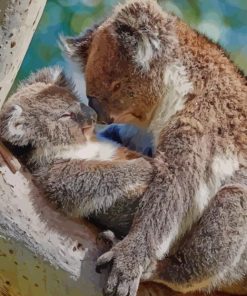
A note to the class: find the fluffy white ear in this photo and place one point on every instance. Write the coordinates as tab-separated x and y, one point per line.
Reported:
15	124
76	48
142	29
148	48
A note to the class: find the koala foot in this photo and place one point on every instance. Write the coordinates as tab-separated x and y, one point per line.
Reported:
126	269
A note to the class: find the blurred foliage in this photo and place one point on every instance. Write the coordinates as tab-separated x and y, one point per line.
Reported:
225	21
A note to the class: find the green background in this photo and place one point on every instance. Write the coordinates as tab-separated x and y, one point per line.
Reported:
225	21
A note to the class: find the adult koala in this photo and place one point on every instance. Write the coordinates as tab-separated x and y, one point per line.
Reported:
146	67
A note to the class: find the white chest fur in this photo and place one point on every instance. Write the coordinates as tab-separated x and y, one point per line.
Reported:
223	167
89	151
177	87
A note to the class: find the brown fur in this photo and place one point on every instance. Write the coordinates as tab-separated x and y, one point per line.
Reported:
147	67
102	78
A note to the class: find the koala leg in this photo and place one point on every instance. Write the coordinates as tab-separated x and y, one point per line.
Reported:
214	254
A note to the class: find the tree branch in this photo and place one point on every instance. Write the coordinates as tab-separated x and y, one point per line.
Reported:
36	232
18	21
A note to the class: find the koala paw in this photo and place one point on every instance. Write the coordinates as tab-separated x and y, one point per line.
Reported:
126	270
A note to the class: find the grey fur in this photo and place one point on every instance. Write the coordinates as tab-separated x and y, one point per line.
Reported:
107	191
201	149
216	247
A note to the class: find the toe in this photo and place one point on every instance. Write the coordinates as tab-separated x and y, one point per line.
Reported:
123	289
103	261
134	287
111	286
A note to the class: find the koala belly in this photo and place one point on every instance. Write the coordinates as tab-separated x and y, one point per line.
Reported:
118	218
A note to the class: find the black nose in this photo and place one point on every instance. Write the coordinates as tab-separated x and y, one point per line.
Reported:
90	98
100	109
88	114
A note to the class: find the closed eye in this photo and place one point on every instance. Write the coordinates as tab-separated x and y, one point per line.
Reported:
18	124
65	116
68	114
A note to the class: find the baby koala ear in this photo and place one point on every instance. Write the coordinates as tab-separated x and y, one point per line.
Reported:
12	125
142	29
77	48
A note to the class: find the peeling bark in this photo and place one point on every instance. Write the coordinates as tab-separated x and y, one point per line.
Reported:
18	21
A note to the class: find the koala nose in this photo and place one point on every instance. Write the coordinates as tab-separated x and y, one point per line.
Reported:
87	115
101	111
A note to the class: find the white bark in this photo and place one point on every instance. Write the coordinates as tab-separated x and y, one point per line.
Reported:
42	252
18	21
39	247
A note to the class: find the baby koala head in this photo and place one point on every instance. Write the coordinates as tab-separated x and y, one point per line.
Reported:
44	113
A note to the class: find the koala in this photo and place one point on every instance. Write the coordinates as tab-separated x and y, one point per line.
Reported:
83	175
147	67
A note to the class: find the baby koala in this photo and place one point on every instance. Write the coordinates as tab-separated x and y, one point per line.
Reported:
83	175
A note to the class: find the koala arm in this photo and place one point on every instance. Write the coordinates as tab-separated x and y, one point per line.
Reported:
88	187
179	165
215	250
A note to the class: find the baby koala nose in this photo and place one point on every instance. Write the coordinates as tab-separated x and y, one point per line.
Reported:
87	115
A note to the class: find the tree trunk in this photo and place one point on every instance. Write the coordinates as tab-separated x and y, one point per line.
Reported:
18	21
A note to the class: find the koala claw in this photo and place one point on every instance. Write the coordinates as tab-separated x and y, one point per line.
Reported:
118	287
125	274
103	261
124	288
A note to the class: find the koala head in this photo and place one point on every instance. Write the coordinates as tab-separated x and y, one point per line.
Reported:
123	60
45	114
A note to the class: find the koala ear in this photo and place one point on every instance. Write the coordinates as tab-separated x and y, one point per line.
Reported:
142	29
13	127
77	48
